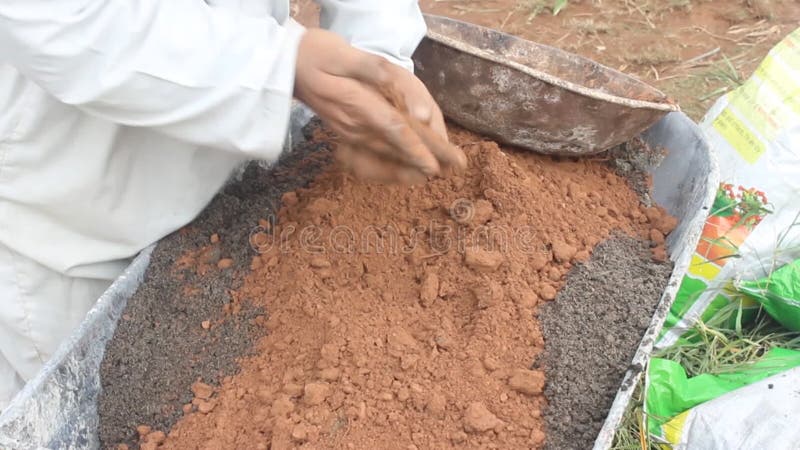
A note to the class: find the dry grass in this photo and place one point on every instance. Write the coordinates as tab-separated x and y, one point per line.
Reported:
714	349
589	26
533	8
698	87
653	55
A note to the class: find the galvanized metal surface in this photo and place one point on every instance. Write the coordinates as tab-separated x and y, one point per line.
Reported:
58	409
532	95
684	184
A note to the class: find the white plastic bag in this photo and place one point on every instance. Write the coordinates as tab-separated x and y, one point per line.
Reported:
762	415
754	225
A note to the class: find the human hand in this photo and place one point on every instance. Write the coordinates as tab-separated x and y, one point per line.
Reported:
390	127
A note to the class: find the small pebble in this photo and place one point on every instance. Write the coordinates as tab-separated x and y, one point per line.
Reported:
478	418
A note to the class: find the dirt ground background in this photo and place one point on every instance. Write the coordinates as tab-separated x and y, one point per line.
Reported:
693	50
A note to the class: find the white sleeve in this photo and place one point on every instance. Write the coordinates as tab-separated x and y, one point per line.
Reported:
390	28
210	76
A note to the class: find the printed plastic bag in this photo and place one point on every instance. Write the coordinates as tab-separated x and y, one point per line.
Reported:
762	415
671	395
753	225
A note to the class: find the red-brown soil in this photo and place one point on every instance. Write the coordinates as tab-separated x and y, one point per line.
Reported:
403	317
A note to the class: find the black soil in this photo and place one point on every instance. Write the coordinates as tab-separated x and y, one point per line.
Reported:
634	160
591	332
160	346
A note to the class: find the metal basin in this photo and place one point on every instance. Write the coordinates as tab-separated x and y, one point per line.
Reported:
531	95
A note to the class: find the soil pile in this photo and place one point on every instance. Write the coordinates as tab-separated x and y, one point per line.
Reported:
403	317
175	328
591	332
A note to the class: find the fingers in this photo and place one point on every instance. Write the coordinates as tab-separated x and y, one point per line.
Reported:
410	96
405	143
407	93
375	107
364	118
396	135
400	87
424	117
371	167
437	123
448	154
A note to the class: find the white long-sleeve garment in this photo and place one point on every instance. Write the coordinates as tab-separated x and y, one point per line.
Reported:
113	113
120	119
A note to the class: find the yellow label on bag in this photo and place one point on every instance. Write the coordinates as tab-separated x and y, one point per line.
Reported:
700	267
674	429
780	78
765	103
739	136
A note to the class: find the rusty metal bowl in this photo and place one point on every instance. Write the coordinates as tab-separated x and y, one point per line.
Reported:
531	95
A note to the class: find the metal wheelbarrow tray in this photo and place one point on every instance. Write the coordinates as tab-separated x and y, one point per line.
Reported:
58	408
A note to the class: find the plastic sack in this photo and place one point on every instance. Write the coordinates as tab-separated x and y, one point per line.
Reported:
762	415
778	294
753	225
671	395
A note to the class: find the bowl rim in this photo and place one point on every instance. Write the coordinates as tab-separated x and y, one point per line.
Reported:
439	38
